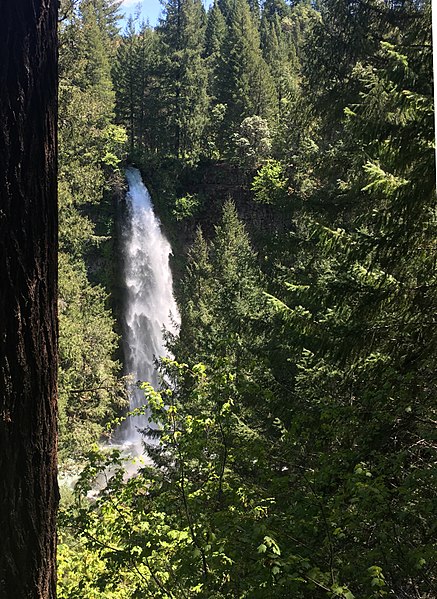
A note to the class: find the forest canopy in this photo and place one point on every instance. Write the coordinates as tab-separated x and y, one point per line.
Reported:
289	150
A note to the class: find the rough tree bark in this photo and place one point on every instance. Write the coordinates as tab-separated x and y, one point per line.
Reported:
28	279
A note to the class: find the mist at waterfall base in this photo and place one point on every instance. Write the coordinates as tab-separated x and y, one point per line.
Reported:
149	306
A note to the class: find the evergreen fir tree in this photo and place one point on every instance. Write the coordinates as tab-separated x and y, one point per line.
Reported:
244	83
90	148
183	76
96	42
214	36
255	9
135	86
215	28
276	55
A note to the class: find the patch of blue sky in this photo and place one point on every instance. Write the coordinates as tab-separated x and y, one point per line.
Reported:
147	10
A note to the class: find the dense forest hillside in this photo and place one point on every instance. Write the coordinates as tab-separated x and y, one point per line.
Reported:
289	149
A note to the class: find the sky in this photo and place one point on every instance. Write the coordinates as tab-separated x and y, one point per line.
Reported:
149	9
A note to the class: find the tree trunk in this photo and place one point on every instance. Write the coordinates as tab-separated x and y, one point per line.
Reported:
28	279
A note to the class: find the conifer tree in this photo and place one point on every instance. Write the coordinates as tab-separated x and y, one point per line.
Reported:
183	76
215	28
244	83
96	42
361	314
346	34
276	56
126	76
135	86
197	302
237	276
90	147
214	35
255	9
220	296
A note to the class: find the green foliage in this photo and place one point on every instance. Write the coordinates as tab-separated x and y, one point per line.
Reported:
134	77
281	44
89	392
214	36
220	295
293	449
115	138
91	148
243	81
187	528
252	142
362	382
212	140
186	207
182	77
270	184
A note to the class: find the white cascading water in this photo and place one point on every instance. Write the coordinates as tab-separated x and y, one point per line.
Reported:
150	306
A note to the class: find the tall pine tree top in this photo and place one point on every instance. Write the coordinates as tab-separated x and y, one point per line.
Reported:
244	83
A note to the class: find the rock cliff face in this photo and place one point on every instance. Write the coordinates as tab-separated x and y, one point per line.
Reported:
223	181
213	184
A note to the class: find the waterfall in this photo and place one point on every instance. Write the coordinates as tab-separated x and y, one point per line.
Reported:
150	306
